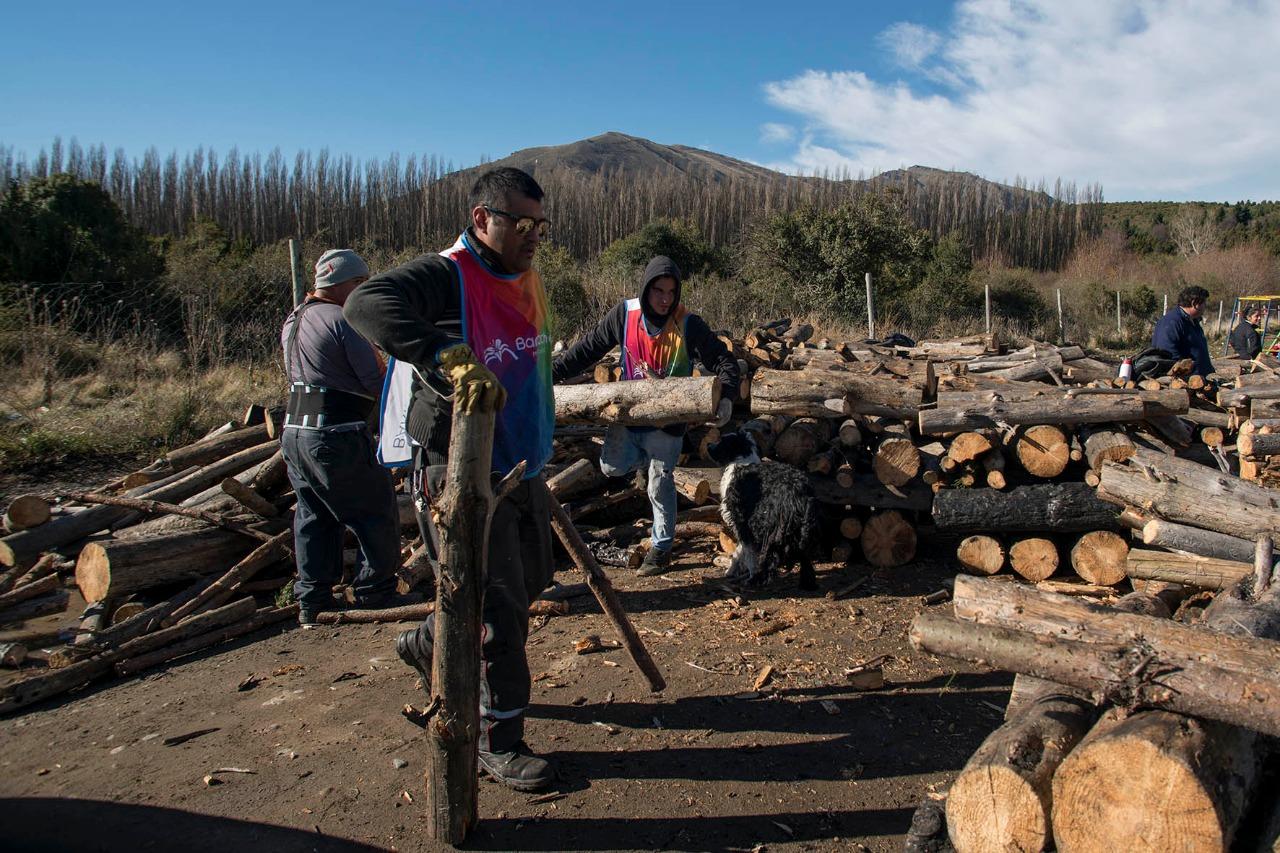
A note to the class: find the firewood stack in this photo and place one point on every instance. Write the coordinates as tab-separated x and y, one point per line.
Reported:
1167	715
181	555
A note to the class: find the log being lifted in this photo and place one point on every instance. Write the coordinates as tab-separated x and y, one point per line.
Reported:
1186	782
1048	507
806	392
654	402
1065	409
1002	798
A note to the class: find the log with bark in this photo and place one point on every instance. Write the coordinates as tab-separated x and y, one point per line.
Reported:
1048	507
579	478
1194	540
866	490
224	587
1065	409
1187	781
118	567
1002	799
255	622
1186	569
26	511
656	402
807	392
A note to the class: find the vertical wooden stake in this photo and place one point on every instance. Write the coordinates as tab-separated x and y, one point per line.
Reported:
1217	329
1166	303
987	293
453	733
1117	312
871	311
295	269
1062	328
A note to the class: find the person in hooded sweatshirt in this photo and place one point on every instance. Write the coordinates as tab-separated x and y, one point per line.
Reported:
659	339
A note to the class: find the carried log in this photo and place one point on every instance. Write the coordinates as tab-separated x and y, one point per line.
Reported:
888	539
654	402
580	477
1048	507
1067	409
1034	558
1186	569
1099	557
980	555
806	392
26	511
1194	540
1043	451
118	567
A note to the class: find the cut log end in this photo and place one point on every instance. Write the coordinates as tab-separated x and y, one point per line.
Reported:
1034	558
981	555
1100	557
888	539
994	808
897	461
1043	451
26	511
93	572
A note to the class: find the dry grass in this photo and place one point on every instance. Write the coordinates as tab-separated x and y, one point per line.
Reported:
131	399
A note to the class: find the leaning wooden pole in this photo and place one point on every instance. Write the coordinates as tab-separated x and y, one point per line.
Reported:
465	509
603	590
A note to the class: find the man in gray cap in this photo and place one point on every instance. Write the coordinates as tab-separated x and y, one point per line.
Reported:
335	377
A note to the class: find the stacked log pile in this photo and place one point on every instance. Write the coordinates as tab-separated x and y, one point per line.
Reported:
186	553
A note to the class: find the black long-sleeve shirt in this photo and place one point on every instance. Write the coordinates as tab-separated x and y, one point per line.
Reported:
1245	340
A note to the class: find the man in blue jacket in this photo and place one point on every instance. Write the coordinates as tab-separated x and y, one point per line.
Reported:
1178	332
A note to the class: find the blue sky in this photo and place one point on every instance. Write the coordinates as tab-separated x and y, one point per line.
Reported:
1150	98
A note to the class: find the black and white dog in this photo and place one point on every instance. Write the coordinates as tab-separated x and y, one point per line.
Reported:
769	509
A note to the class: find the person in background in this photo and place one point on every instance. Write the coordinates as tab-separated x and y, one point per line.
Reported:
1179	334
659	338
1245	338
473	323
335	376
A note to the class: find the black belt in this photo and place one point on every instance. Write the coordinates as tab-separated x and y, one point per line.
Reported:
317	407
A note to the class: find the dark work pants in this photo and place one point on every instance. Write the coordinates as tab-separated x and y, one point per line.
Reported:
340	484
520	568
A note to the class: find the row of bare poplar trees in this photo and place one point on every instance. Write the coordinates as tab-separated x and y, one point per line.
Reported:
417	201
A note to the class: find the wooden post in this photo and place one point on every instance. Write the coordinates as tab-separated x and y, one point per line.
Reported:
1062	328
465	509
295	269
1166	303
871	311
1217	329
1117	312
987	294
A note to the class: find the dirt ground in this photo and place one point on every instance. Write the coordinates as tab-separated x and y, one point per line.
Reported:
803	762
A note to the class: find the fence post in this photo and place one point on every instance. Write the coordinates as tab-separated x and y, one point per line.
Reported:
1062	328
1117	312
987	292
295	269
1217	329
1166	304
871	311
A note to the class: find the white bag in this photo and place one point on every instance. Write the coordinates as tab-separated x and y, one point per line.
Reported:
395	447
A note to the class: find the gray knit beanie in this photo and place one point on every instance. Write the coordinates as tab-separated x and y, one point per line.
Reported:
338	265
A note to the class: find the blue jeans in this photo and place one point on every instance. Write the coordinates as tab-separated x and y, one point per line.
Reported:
340	484
626	449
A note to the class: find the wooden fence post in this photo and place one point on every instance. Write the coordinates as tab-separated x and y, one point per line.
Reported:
295	269
1062	328
1117	312
987	293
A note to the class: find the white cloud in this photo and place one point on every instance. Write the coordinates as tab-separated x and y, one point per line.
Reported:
1150	98
772	133
911	44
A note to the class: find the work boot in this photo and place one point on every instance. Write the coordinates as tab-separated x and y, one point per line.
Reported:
656	562
307	618
415	648
519	768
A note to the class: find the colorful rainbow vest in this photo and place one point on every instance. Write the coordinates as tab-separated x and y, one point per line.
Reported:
645	356
506	323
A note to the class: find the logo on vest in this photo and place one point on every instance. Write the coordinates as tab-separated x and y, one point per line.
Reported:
500	349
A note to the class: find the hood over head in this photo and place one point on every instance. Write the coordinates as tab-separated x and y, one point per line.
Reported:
658	267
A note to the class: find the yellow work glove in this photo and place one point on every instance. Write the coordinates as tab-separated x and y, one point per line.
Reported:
475	388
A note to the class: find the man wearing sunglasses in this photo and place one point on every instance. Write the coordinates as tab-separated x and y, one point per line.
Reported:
659	338
473	323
